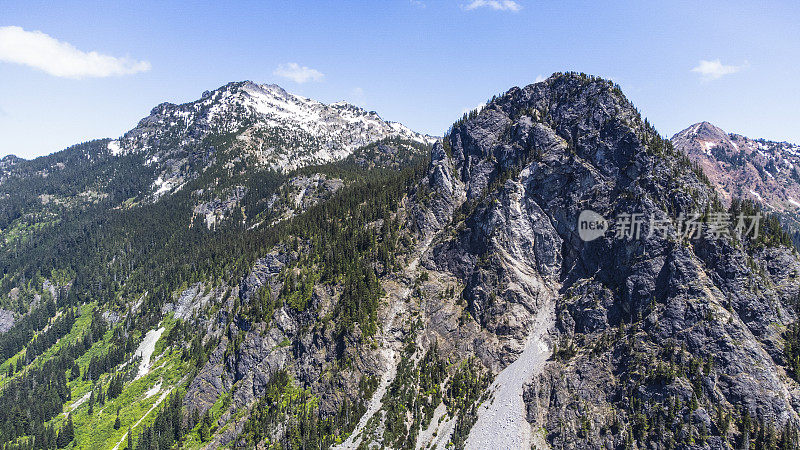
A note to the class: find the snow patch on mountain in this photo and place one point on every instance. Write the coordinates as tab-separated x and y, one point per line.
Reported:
146	349
114	148
252	124
283	130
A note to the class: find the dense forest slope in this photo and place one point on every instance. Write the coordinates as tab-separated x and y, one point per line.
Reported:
386	290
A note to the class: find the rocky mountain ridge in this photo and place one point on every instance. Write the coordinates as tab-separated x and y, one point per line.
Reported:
234	131
760	170
651	342
267	126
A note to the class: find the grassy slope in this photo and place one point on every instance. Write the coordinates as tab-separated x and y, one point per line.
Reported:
80	327
97	431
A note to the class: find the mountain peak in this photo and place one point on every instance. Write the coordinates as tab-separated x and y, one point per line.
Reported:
470	264
262	124
530	165
705	130
738	166
702	137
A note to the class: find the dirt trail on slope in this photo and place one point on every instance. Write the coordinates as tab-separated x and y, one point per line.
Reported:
80	401
155	405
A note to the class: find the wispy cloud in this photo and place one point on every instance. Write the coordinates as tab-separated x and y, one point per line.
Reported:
540	78
418	3
713	70
297	73
61	59
497	5
357	97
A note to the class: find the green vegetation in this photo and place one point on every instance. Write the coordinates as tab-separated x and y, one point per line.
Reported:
791	345
414	393
298	412
643	420
119	255
45	385
791	349
465	391
166	429
105	259
23	330
770	231
297	289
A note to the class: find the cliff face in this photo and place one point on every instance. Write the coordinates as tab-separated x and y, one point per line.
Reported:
659	338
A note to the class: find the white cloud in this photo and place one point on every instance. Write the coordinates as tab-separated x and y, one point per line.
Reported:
497	5
418	3
540	78
297	73
61	59
713	70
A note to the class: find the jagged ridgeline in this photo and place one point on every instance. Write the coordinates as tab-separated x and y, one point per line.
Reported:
757	170
256	269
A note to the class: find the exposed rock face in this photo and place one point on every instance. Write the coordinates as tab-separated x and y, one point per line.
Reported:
299	194
268	126
584	339
190	301
217	208
210	382
7	319
528	164
7	166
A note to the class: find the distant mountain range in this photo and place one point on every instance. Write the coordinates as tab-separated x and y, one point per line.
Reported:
764	171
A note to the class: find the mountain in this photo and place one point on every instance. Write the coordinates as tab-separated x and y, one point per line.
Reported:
240	126
238	129
756	169
393	293
265	125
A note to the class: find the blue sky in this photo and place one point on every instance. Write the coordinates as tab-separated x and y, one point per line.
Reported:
420	62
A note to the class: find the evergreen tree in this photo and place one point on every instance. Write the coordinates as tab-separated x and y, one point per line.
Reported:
75	372
205	428
91	403
67	433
